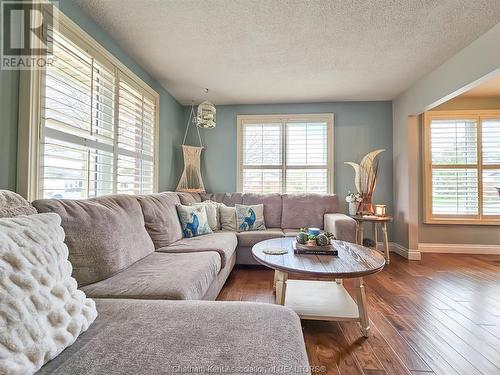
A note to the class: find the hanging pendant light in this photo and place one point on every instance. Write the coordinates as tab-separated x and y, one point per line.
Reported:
206	115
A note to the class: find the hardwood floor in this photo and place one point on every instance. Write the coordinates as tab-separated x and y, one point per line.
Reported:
440	315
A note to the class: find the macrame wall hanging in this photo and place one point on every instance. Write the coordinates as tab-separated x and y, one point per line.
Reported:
191	180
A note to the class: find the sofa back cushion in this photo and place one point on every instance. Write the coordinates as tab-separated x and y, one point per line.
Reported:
160	217
229	199
104	235
272	207
188	198
307	210
12	204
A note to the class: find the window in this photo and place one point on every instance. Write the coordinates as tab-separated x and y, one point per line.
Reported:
97	122
462	167
285	153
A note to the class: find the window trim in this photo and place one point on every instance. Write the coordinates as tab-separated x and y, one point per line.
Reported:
477	115
30	104
283	118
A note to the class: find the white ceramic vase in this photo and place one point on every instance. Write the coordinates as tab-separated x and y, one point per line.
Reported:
353	207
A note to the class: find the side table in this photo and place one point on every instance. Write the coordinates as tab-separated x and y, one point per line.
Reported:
374	220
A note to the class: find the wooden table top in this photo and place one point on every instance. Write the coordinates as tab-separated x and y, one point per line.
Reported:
375	219
353	260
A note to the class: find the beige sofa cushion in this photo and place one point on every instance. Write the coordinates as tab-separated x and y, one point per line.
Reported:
104	235
307	210
272	206
224	243
161	276
12	204
160	217
166	337
252	237
188	198
229	199
291	232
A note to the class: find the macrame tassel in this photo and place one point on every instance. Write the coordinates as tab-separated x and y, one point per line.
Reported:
191	175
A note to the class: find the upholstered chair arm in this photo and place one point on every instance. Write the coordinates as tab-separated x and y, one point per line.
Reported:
342	226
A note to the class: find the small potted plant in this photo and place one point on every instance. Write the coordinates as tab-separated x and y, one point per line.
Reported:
354	199
303	237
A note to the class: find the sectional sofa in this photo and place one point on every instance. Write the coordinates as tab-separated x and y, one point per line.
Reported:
128	254
126	246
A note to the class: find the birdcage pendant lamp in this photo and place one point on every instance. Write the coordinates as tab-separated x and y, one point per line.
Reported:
206	116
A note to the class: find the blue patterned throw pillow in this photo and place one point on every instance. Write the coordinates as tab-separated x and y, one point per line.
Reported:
250	217
193	220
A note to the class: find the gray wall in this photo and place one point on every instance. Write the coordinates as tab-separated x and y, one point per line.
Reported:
452	78
171	112
9	83
359	127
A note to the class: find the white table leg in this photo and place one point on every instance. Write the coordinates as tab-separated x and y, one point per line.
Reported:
374	230
386	242
362	308
281	278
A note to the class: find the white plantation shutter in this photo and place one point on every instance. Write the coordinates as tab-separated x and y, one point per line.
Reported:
464	167
136	118
491	166
285	154
454	167
307	157
262	158
84	128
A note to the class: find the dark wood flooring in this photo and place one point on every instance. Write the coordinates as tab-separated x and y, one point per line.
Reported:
437	316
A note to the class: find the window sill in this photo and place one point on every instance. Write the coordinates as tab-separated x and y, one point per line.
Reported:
462	221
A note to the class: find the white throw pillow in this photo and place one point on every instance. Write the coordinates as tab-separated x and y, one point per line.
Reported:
212	213
227	218
42	312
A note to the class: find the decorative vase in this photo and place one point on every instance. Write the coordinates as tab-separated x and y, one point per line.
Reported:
366	207
353	208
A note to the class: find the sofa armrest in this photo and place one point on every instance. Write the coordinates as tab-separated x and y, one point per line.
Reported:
342	226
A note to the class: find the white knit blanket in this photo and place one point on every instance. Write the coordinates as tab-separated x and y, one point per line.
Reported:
41	310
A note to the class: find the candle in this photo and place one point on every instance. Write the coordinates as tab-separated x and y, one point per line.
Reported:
313	231
380	209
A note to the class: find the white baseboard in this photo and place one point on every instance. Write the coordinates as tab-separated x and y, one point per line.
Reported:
448	248
409	254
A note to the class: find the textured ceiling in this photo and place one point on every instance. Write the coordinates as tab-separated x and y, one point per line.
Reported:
285	51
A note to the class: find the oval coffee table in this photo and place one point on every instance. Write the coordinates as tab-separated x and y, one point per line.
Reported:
321	300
